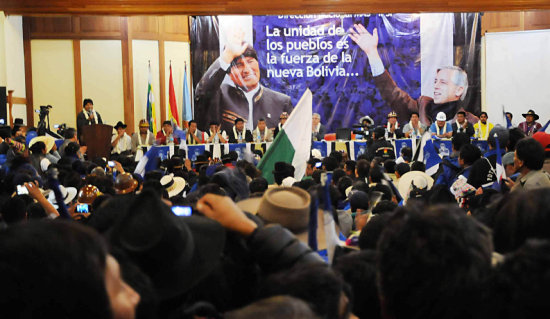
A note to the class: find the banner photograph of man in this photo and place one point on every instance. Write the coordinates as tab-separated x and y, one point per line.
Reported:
451	84
242	96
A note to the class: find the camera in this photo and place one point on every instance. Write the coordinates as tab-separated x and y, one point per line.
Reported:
82	208
182	210
22	190
60	128
44	112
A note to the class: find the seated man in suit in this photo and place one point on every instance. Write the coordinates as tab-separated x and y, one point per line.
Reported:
239	134
262	133
194	136
461	125
166	135
318	130
244	97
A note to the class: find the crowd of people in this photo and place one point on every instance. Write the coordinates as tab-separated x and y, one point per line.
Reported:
375	237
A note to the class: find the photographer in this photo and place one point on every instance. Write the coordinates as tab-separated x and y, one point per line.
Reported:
87	116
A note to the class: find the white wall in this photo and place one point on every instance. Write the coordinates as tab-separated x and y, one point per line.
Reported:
144	51
518	74
53	79
15	62
178	53
3	80
101	62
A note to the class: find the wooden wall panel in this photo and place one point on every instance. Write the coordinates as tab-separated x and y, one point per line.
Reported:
144	27
502	21
537	20
198	7
515	21
100	24
51	25
175	28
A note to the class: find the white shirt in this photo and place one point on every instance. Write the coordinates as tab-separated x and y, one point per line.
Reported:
250	98
124	143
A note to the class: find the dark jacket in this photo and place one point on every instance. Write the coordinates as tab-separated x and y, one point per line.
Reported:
246	262
403	104
81	121
320	135
233	139
215	100
469	129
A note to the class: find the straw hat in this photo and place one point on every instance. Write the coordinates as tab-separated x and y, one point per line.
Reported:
173	185
48	140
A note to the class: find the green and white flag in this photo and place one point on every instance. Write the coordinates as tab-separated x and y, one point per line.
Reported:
293	143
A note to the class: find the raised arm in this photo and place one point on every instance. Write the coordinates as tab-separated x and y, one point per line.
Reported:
400	101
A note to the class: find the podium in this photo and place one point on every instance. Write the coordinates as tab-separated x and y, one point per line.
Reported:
98	140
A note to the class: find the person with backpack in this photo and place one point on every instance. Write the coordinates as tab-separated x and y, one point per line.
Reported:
449	167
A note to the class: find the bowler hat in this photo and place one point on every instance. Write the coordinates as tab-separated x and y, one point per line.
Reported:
125	183
175	252
88	194
531	112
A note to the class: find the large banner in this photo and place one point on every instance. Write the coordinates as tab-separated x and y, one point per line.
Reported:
318	52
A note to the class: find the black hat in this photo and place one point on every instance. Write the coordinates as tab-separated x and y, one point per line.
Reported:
531	112
18	121
175	252
120	124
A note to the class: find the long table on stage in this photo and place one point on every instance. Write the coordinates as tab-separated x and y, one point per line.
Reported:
353	148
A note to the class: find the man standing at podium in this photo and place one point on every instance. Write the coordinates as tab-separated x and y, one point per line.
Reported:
87	116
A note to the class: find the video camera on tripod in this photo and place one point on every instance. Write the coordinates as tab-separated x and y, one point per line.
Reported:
44	121
43	115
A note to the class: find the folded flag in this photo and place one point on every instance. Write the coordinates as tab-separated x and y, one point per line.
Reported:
293	143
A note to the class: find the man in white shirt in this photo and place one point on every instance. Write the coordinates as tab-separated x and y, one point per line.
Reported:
121	142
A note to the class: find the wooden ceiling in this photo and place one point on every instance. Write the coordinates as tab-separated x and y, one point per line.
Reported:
258	7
